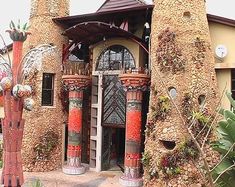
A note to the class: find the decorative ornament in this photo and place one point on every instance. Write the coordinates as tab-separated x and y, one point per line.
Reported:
28	90
28	104
18	91
2	74
6	83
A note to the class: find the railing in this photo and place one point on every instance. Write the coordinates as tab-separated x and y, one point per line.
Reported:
76	68
139	70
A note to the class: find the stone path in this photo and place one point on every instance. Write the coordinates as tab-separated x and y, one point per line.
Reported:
59	179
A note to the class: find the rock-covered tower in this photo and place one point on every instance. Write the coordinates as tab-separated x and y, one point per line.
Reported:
42	143
182	69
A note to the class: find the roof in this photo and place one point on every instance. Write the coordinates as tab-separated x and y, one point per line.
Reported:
111	5
221	20
94	31
104	16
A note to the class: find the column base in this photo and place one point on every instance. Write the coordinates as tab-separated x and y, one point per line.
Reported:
125	181
73	170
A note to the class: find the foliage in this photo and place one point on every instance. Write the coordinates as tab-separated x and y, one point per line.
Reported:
146	159
169	56
225	146
187	105
188	150
36	183
47	143
169	165
162	107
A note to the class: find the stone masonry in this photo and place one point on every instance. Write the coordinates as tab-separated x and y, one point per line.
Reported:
43	120
183	69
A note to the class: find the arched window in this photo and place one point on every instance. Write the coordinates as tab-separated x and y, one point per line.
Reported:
115	57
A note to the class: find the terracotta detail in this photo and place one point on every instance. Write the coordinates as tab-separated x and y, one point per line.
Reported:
134	84
75	84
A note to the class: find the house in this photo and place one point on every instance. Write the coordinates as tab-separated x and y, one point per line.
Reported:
99	45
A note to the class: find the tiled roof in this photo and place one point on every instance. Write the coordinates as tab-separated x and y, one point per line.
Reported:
111	5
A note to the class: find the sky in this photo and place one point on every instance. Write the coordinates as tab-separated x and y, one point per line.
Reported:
19	9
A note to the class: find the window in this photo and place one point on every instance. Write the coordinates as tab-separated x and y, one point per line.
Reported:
47	89
115	57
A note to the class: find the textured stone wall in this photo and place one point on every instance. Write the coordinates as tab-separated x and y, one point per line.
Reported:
44	119
182	61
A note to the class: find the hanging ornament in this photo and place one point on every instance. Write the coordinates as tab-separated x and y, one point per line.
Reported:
28	90
6	83
1	91
28	104
18	91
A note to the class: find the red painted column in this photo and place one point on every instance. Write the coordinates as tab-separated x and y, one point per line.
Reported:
13	124
134	84
75	85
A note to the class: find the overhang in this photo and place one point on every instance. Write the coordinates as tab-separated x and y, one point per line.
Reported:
93	31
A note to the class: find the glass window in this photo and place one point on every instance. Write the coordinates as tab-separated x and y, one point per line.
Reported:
47	89
115	57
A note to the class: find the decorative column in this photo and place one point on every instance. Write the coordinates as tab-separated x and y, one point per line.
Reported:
75	84
134	84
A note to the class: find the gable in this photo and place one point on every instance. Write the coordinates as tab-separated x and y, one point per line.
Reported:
113	5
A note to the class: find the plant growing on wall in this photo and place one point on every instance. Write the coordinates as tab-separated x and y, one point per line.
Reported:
161	108
47	143
169	56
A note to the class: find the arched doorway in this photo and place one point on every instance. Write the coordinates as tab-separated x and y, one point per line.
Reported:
109	107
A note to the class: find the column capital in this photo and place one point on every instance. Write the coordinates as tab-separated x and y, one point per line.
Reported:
76	82
135	81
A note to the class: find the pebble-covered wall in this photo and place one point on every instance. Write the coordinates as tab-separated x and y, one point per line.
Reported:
42	143
183	68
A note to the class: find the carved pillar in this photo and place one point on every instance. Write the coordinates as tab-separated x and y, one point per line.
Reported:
75	84
134	84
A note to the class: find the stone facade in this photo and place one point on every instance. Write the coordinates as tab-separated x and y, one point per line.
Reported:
45	119
183	69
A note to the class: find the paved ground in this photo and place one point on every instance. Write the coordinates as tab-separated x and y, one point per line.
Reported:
59	179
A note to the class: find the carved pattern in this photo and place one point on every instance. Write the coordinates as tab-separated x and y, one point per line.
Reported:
75	103
76	82
134	82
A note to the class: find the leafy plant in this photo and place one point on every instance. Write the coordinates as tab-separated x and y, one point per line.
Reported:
36	183
169	165
188	150
160	110
224	171
146	159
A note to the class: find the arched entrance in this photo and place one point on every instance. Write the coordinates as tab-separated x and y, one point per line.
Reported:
108	116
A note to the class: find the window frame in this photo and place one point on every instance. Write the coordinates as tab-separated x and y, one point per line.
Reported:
108	50
52	89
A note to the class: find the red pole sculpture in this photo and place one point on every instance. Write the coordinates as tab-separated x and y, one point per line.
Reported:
75	84
134	84
13	124
15	98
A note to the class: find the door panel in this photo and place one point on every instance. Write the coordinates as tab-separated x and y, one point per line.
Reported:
114	102
106	148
